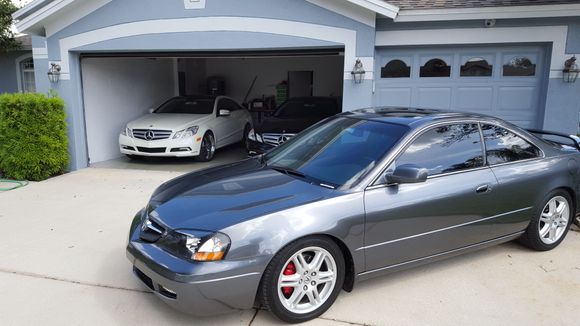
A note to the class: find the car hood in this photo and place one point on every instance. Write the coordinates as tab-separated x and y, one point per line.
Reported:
286	125
167	121
220	197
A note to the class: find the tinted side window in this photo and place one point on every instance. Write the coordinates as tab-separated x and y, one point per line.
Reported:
229	105
446	149
504	146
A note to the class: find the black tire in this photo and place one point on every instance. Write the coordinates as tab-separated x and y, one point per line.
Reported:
207	151
532	237
269	296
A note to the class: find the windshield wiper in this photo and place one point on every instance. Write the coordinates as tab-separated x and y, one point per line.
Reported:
293	172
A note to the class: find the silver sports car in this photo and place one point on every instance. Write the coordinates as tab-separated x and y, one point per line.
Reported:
355	196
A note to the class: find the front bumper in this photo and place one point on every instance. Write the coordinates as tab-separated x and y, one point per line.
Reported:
257	148
201	289
187	147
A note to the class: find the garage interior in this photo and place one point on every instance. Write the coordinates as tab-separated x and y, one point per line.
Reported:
118	88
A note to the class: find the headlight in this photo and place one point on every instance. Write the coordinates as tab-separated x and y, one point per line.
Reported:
255	136
196	245
127	132
186	133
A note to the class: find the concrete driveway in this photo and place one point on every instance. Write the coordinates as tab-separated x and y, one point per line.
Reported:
62	262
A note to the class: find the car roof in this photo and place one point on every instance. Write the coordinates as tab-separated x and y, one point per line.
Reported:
411	117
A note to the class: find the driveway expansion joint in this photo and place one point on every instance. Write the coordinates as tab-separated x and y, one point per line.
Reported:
58	279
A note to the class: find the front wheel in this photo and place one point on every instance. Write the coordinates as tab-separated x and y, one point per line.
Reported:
550	223
207	150
303	280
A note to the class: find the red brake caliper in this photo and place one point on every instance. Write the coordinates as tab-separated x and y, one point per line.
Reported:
289	270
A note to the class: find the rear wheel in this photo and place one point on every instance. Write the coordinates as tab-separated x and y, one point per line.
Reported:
207	150
303	280
550	223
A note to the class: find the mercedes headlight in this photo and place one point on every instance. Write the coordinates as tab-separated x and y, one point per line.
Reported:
127	132
186	133
253	135
196	245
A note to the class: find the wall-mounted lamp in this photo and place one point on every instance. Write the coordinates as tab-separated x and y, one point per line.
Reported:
571	70
358	73
54	73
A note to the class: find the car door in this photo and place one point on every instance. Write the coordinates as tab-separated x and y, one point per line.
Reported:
226	126
524	177
450	210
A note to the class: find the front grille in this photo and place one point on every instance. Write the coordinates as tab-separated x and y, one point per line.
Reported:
144	278
151	134
276	139
152	150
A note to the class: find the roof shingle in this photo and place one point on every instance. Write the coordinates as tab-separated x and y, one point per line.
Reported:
443	4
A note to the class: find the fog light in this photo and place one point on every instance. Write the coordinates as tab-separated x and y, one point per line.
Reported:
167	292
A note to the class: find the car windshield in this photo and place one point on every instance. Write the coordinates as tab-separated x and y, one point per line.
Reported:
337	152
187	106
307	108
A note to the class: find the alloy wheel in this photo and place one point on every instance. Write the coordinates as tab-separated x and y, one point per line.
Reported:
208	147
554	220
307	280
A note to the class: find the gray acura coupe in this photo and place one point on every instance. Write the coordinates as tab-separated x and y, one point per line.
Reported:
355	196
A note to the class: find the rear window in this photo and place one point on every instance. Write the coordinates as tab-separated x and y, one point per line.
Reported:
308	108
504	146
187	106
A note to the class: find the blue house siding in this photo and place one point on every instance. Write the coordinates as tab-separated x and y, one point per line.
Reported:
9	68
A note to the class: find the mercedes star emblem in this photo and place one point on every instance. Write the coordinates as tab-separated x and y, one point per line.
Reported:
149	135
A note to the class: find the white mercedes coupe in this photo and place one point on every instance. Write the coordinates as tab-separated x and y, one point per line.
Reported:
187	127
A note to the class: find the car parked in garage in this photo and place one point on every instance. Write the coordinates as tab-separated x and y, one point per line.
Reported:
193	126
358	195
293	116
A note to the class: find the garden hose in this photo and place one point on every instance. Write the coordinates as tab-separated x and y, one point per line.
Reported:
15	184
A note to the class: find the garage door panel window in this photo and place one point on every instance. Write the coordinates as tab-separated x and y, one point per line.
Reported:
396	69
503	146
476	67
519	66
445	149
436	68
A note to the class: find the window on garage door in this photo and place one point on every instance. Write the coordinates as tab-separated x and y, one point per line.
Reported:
436	68
396	69
476	67
519	66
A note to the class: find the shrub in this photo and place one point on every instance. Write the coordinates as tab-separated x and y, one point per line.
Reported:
33	136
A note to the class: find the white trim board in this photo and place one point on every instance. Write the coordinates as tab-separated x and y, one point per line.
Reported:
378	6
349	10
74	14
543	11
206	24
556	35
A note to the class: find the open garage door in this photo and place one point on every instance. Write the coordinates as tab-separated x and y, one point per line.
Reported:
503	81
121	87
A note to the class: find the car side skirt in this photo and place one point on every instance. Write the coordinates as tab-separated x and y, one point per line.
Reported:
425	260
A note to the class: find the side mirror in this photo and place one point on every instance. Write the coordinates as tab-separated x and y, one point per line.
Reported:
224	113
407	173
151	110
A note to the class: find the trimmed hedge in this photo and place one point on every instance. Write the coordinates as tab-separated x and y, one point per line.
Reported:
33	136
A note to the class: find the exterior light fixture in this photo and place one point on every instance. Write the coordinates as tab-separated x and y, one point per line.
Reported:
358	73
571	71
54	73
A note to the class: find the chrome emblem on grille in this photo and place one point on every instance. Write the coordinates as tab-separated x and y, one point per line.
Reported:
149	135
282	139
148	225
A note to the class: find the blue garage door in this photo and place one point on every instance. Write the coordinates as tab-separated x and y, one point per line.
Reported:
505	81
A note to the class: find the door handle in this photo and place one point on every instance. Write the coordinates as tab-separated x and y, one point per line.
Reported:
483	189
